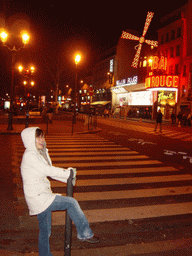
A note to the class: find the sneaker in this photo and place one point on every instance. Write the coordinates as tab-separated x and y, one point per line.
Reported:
92	240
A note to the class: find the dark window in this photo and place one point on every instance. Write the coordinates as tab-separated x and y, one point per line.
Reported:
167	37
171	52
184	70
162	39
178	47
177	69
172	34
171	70
179	32
183	91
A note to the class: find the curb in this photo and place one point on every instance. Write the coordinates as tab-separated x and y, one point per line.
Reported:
90	131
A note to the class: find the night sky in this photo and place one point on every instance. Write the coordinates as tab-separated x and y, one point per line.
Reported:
90	27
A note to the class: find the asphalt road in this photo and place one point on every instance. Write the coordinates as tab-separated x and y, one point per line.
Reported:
169	150
139	137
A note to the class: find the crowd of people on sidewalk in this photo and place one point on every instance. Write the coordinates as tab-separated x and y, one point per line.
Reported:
184	119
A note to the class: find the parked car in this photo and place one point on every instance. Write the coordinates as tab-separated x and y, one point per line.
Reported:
35	112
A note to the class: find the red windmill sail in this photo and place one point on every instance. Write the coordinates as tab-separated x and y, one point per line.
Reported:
126	35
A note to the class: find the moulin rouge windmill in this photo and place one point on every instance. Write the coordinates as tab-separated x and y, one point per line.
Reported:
126	35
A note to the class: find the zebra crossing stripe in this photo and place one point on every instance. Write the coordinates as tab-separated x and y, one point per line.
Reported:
98	158
104	164
129	213
114	159
127	194
109	152
127	181
139	169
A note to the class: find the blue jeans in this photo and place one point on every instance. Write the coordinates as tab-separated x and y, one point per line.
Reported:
76	214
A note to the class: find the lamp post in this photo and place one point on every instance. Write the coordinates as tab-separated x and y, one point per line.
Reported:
25	39
77	60
27	74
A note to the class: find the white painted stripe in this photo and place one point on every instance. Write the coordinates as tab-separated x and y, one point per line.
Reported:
76	141
126	170
188	139
127	181
82	145
173	135
181	136
110	152
136	249
127	194
129	213
97	158
128	163
95	149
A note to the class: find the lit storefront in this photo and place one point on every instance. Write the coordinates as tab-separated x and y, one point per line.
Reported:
160	91
132	98
163	86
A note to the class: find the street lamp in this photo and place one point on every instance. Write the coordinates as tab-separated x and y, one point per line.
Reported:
25	39
77	60
27	75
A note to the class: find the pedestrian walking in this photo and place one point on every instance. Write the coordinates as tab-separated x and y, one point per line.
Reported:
173	118
36	166
189	119
179	117
50	114
159	121
184	119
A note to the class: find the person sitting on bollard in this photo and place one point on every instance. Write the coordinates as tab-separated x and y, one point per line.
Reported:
36	166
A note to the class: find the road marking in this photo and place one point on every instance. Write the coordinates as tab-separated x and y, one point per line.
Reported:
129	213
109	152
127	181
127	194
98	158
127	163
139	169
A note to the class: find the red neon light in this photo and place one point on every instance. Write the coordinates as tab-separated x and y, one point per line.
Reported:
159	63
141	40
162	81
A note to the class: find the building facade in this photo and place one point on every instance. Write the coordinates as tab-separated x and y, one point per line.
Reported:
129	95
163	79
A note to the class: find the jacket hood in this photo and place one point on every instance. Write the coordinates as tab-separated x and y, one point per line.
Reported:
28	138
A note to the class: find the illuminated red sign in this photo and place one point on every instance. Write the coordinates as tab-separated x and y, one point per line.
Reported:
162	81
159	63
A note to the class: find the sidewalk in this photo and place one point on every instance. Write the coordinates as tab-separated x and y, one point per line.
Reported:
57	126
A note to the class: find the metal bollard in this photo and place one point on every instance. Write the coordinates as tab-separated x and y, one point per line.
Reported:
68	222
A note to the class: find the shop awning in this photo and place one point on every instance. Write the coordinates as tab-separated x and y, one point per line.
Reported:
128	88
100	103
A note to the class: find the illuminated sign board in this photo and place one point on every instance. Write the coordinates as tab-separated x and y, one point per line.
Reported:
162	81
128	81
158	63
111	66
142	98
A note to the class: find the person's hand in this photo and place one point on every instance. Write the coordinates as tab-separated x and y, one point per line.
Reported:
74	175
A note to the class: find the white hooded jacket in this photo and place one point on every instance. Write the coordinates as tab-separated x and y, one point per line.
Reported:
34	171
